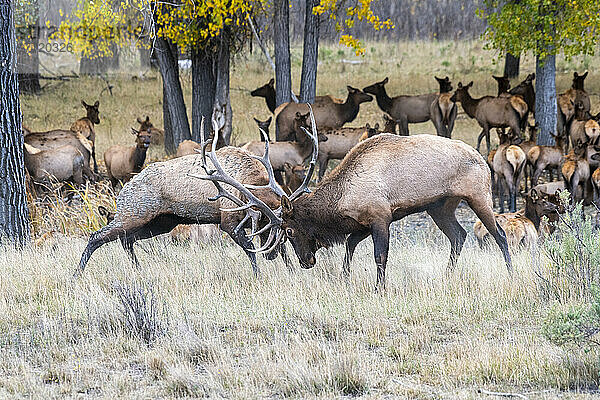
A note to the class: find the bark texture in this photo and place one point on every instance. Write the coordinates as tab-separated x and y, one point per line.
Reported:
511	65
203	92
283	75
222	87
308	82
14	215
545	100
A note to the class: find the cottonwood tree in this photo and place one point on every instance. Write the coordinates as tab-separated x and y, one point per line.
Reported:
546	27
14	216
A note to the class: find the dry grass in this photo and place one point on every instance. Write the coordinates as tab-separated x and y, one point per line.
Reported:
218	331
195	322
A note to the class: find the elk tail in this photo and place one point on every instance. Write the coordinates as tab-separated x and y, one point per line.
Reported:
516	159
519	105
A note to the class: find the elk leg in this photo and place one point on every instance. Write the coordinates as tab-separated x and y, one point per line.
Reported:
127	242
380	231
353	240
94	158
322	168
485	132
105	235
403	125
445	219
451	120
485	213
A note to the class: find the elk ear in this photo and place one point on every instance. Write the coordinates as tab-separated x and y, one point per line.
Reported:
268	122
147	118
83	103
134	131
139	120
385	81
96	104
534	195
368	126
460	85
351	89
376	127
286	206
272	82
575	75
584	75
298	115
256	120
447	79
470	84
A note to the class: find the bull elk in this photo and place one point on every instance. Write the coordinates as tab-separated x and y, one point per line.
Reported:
123	162
415	109
365	193
491	112
329	115
163	196
158	135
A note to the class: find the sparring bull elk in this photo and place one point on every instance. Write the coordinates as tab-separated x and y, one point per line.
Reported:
365	194
162	196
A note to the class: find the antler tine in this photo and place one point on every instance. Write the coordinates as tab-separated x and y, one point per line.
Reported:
273	241
313	161
266	162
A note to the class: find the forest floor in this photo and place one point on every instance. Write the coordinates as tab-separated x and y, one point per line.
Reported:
195	322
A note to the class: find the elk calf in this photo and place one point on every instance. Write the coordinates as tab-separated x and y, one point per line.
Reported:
122	162
63	163
509	162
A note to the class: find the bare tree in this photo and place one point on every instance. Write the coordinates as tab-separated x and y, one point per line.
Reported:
283	74
308	82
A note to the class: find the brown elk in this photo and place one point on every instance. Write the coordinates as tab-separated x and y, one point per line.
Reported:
527	92
443	109
575	171
85	126
503	85
545	157
509	163
163	196
123	162
583	129
158	135
389	124
338	144
516	96
596	180
526	146
63	163
365	193
491	112
265	126
327	115
267	91
293	178
414	109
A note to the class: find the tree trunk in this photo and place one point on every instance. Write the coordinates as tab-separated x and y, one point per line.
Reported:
14	215
100	64
222	87
148	58
203	92
170	147
545	100
308	82
28	56
511	65
283	74
173	102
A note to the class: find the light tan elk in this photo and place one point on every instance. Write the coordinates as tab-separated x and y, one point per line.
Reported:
163	196
293	153
338	144
527	92
85	126
327	115
267	91
410	109
517	100
583	128
59	138
596	180
123	162
542	158
491	112
186	148
575	171
509	163
365	193
526	146
158	135
63	163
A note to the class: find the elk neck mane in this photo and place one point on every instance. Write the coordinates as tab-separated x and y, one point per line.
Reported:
384	101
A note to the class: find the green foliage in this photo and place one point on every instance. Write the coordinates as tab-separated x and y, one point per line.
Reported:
573	254
543	26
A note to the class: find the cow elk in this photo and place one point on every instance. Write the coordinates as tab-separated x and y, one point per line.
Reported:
293	178
123	162
413	109
265	126
187	147
85	126
596	180
163	196
509	163
365	193
329	115
158	135
575	171
491	112
267	91
63	163
583	128
544	158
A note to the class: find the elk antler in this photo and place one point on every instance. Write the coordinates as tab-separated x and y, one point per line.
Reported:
219	175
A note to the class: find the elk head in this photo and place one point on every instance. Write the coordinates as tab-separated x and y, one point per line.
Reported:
264	125
579	80
378	88
389	124
143	138
145	124
592	130
357	96
503	84
300	127
541	206
445	84
92	111
461	93
265	90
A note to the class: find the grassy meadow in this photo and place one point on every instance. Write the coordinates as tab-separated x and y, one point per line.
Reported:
194	321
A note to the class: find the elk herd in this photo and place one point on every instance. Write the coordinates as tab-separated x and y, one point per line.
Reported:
261	188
